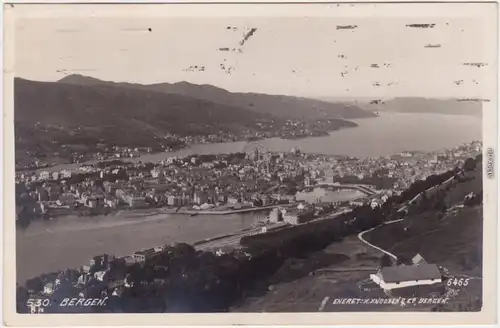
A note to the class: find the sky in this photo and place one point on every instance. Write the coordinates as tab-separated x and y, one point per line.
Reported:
302	55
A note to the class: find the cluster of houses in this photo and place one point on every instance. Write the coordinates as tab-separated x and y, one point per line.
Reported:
104	276
179	182
302	213
176	182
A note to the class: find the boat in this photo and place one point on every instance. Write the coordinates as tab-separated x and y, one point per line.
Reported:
195	214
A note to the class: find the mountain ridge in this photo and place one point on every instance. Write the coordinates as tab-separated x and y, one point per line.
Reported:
288	107
52	117
449	106
64	119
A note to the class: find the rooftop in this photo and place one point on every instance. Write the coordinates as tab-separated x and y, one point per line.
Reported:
410	272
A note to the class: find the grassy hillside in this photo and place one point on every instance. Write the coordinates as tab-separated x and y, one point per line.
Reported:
452	239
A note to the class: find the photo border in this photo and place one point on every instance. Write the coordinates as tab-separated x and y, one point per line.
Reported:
489	10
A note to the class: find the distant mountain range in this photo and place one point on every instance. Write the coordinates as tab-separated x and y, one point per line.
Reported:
79	112
276	105
49	115
71	105
416	105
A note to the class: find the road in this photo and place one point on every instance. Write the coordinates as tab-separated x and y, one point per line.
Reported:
427	190
360	235
234	240
363	188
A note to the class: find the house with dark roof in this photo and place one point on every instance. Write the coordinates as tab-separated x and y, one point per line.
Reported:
407	276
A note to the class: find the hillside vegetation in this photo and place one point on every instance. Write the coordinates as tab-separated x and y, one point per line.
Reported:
49	116
276	105
439	230
80	116
73	106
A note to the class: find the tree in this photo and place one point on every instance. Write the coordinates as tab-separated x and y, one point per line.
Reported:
439	202
423	204
385	261
403	260
35	284
469	165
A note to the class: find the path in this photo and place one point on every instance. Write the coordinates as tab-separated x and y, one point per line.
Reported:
360	237
234	239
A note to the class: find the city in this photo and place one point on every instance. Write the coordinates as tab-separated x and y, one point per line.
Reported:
216	184
221	182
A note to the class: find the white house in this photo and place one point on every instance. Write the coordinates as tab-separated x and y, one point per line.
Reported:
406	276
48	289
101	275
159	248
374	203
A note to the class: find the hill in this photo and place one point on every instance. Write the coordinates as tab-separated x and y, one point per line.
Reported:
277	105
74	120
452	238
76	105
425	105
50	114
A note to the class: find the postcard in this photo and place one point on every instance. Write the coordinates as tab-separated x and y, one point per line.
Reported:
305	164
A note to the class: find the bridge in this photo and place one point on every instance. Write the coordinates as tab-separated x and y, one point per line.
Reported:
363	188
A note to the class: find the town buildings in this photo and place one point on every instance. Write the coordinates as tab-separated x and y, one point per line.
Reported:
236	180
298	215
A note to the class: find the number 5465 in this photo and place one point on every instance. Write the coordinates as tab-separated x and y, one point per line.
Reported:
458	282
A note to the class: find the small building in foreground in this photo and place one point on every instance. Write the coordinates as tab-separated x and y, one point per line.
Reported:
49	288
401	276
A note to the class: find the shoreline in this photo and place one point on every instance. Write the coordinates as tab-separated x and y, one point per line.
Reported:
224	212
159	211
187	147
278	144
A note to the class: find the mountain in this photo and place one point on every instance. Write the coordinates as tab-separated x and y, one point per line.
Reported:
83	116
421	105
51	115
287	107
100	105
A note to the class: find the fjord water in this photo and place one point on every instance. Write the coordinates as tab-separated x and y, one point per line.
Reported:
71	241
387	134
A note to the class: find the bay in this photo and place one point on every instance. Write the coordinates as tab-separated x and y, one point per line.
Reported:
388	134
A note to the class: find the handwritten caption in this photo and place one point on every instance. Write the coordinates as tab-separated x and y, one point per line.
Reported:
394	301
67	302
